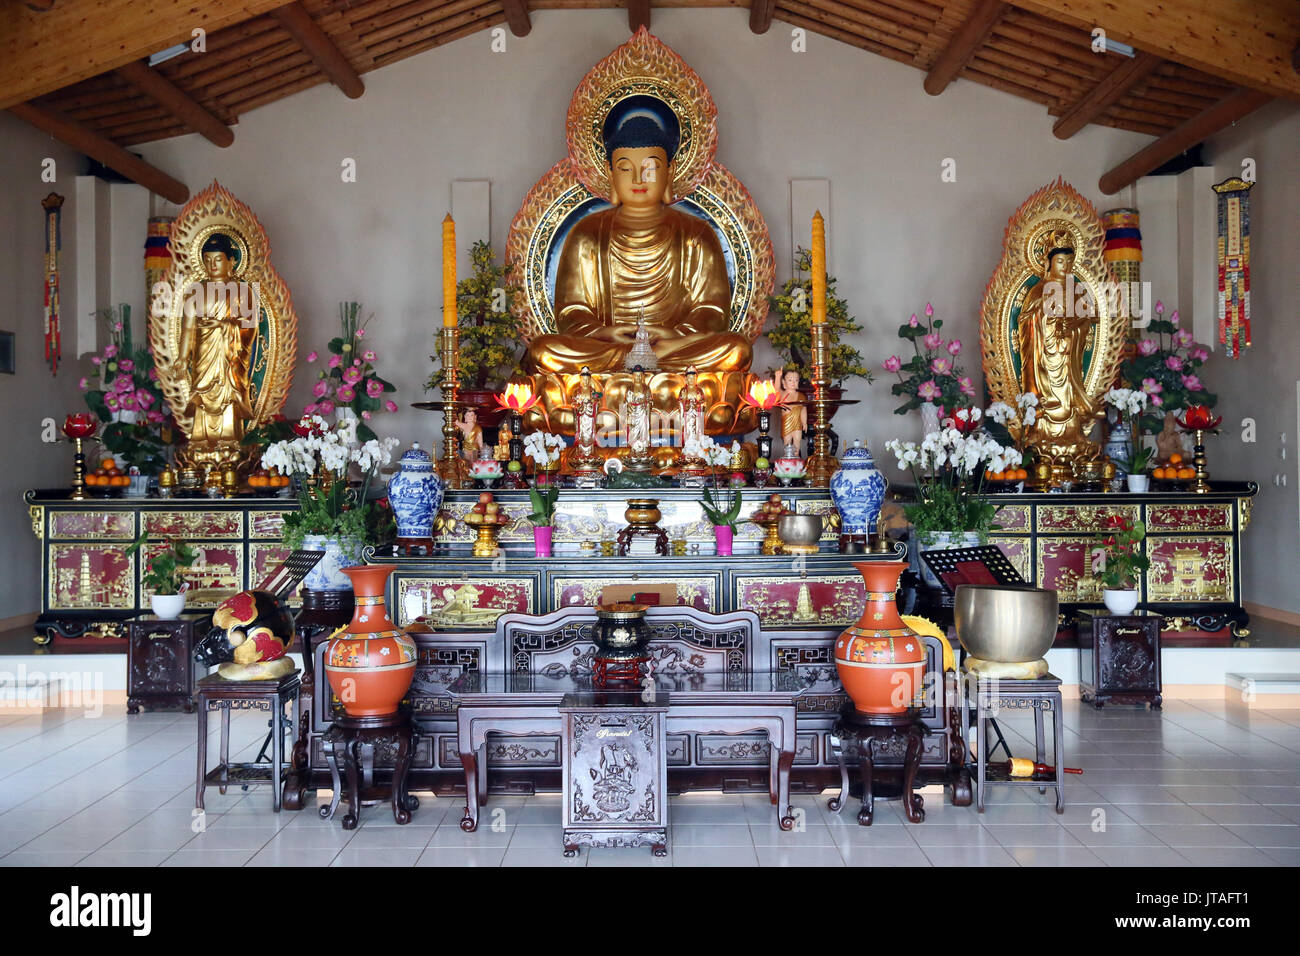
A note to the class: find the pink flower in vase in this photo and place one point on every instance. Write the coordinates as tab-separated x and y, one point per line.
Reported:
110	399
110	350
369	355
366	415
1192	383
929	310
311	408
153	375
336	361
83	385
312	356
1148	347
1173	317
954	347
1174	363
941	366
324	407
361	333
352	375
123	384
913	322
127	401
321	388
126	365
96	360
929	391
143	398
374	389
390	406
1183	338
1198	354
1160	307
1156	401
346	394
967	386
155	417
891	364
933	340
1151	386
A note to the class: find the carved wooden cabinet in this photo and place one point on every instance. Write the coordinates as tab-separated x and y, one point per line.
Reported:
160	668
615	783
1119	657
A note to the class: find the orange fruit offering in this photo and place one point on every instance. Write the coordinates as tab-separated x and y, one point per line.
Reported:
108	464
1175	459
1188	472
1158	474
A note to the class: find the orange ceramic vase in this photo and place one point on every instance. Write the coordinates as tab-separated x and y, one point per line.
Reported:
880	659
371	664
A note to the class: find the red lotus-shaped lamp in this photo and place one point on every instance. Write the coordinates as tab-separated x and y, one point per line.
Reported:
1199	419
78	426
763	395
517	399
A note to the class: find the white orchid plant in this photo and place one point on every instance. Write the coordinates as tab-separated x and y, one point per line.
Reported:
1127	401
544	449
320	457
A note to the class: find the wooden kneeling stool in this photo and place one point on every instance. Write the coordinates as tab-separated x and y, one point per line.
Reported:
880	734
357	740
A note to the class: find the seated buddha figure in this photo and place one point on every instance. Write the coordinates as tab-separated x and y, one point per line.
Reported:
641	257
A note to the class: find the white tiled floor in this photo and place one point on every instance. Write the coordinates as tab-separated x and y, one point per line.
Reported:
1199	784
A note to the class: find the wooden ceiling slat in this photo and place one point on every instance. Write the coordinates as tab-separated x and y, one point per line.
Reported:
74	98
815	10
293	62
438	29
922	17
395	13
1038	43
223	47
98	115
429	42
280	92
1052	65
789	13
1013	69
977	72
1135	113
872	25
1066	35
1161	95
271	81
211	83
154	135
1178	84
427	18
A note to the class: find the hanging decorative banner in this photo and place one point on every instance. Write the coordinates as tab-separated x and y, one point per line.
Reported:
1123	243
157	257
1234	264
53	206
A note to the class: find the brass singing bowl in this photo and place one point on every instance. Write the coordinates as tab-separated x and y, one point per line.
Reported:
642	511
1008	625
800	529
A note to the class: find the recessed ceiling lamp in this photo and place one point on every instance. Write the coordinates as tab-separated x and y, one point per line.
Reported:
170	53
1123	49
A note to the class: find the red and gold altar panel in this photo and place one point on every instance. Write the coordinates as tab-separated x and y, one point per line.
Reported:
1081	519
1012	519
698	592
218	572
1190	569
802	601
90	577
266	524
1063	566
455	602
193	523
1019	551
1189	517
92	525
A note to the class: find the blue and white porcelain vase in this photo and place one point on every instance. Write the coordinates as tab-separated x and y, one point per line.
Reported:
340	553
415	493
1119	447
858	490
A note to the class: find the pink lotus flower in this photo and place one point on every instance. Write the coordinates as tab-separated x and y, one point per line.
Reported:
1174	363
891	364
123	384
346	394
155	417
311	408
954	347
127	401
1174	317
111	401
143	398
1160	307
335	361
374	389
321	388
941	366
366	415
324	407
913	321
369	355
1151	386
312	356
96	360
153	375
1192	383
117	326
1183	338
1148	347
110	350
1198	354
933	340
1156	401
83	385
929	391
126	365
352	375
361	333
390	406
929	310
967	387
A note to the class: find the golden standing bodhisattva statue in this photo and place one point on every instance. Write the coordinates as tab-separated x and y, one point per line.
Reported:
641	256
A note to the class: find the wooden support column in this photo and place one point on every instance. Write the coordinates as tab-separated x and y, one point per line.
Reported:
965	43
176	101
85	140
1100	98
1201	126
317	44
517	17
760	15
638	14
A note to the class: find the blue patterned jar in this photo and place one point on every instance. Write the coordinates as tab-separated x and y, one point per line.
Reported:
415	493
858	490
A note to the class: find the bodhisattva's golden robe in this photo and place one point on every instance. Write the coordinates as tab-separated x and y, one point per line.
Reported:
215	348
613	269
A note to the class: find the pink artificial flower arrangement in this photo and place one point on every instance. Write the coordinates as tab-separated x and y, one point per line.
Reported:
1166	367
932	373
350	379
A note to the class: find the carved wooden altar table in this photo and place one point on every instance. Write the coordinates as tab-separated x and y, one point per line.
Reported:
728	702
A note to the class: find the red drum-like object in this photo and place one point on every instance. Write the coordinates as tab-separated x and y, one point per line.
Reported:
370	665
881	661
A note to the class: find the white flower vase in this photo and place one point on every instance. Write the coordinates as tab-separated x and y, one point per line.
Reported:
1137	483
929	418
123	415
1120	601
167	607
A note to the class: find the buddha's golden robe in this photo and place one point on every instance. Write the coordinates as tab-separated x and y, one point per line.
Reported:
219	401
611	271
1051	366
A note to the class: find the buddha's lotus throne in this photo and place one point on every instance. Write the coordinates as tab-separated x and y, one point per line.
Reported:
605	241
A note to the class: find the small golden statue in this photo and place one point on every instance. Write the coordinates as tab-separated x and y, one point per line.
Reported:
471	432
586	406
794	414
502	450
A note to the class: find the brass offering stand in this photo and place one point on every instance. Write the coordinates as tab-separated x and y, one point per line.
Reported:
1202	484
78	472
772	543
451	467
488	528
822	464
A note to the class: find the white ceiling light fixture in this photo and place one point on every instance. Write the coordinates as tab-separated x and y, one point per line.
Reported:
168	54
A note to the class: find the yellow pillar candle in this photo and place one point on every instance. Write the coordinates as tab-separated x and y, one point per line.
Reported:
449	318
818	267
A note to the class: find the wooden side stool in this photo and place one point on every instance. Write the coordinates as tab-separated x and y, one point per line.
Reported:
357	740
1041	695
880	734
217	693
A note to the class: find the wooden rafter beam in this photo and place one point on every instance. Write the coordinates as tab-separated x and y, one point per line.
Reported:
1247	42
176	101
45	51
318	45
517	17
638	14
86	140
760	15
1201	126
964	44
1126	75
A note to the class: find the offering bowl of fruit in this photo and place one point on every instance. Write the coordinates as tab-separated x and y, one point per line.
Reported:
787	470
1013	479
1176	474
267	482
108	479
487	517
768	517
486	470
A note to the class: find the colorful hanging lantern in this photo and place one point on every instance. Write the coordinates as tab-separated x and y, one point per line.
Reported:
157	256
53	206
1234	264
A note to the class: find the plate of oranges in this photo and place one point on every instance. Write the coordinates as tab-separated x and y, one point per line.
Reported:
1009	480
1176	473
108	479
268	482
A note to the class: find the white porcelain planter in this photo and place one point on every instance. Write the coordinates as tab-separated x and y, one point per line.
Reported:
1137	484
929	418
168	607
1120	601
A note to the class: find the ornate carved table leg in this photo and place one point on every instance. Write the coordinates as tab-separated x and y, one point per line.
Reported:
569	849
1038	737
661	849
913	804
329	743
351	761
225	746
866	758
784	765
401	764
836	803
1058	754
469	760
201	784
299	771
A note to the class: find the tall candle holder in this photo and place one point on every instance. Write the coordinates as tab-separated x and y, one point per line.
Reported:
451	467
1198	420
77	427
822	464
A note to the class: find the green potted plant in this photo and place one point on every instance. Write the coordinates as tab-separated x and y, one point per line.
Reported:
723	513
490	347
1118	561
1135	468
792	334
164	576
543	517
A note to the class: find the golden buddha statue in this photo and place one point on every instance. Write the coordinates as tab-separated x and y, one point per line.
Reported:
641	257
214	348
1051	341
